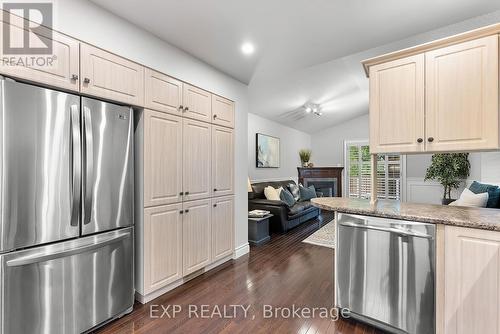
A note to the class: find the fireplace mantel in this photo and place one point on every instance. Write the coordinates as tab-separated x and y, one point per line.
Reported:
322	173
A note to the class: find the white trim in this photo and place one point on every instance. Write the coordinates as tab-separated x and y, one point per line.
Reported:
143	299
241	250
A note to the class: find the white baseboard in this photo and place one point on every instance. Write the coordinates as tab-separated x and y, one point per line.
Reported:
241	250
143	299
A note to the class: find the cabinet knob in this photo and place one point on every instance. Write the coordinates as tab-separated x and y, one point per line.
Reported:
430	139
186	109
215	189
215	205
181	193
215	116
86	80
181	212
186	211
74	77
419	140
181	108
186	193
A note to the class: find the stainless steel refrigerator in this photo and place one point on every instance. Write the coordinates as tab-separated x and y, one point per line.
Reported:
66	201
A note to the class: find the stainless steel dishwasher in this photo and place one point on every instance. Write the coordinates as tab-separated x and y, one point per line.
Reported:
385	272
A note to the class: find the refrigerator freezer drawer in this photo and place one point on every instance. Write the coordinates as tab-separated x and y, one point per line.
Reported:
68	287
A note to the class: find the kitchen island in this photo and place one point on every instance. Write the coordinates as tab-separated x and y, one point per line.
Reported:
480	218
464	250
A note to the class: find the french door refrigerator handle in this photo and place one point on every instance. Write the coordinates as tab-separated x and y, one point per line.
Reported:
89	164
36	258
387	229
76	161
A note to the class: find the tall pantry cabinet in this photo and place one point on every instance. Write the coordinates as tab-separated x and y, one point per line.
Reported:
185	182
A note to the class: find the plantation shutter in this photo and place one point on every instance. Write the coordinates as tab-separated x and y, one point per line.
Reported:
359	170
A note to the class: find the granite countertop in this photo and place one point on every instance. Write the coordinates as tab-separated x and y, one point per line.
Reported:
486	219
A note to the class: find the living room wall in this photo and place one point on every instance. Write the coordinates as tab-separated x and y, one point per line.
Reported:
291	141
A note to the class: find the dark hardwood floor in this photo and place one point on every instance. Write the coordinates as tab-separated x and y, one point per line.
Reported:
281	273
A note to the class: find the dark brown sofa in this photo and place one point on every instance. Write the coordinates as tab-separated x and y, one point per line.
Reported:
284	217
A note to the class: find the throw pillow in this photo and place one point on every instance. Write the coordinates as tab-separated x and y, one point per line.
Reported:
294	190
492	190
308	193
271	193
468	198
287	197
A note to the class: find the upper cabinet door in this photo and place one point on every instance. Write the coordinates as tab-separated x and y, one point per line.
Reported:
397	106
197	103
222	227
163	93
111	77
196	159
59	69
222	111
462	96
162	158
222	161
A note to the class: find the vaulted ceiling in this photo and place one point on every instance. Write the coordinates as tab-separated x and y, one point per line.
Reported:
306	50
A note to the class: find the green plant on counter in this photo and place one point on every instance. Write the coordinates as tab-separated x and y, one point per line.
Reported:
449	169
305	156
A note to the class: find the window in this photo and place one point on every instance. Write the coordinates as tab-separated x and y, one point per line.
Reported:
390	169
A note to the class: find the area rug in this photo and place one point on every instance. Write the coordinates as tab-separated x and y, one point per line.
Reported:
325	236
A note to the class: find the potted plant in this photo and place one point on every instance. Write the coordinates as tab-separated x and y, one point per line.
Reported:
305	156
449	169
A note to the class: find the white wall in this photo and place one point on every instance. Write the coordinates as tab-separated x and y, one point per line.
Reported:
291	141
328	145
88	22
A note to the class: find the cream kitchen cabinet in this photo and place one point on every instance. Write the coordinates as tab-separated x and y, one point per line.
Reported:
441	97
222	161
60	69
197	103
397	106
196	235
222	111
197	159
468	276
222	227
109	76
462	96
162	158
163	93
162	246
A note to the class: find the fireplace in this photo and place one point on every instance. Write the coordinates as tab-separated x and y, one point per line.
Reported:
327	180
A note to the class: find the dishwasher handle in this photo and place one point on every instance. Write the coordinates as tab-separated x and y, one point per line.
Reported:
387	229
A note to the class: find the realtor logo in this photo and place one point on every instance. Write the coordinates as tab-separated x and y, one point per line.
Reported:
35	39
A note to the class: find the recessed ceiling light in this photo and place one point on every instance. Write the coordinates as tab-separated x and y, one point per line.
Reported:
308	109
247	48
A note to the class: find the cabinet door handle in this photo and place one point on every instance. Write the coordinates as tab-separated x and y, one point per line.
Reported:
215	116
419	140
430	139
215	189
74	77
186	211
186	108
86	80
181	193
181	212
186	193
181	108
215	205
